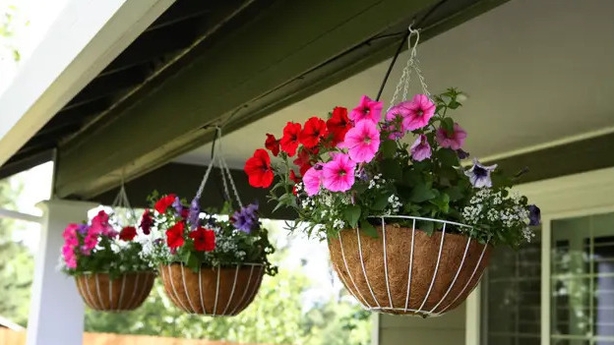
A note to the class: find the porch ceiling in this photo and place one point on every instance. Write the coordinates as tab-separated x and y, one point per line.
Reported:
272	54
535	72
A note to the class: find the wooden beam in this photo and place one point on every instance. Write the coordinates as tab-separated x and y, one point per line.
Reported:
80	43
289	59
183	180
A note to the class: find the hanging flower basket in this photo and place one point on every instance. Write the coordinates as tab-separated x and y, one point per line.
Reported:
212	291
127	292
343	173
405	271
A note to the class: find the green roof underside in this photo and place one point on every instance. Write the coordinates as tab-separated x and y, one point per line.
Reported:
287	52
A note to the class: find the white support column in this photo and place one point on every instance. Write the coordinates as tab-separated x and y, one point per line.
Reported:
56	309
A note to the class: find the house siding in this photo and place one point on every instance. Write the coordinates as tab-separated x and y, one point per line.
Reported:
448	329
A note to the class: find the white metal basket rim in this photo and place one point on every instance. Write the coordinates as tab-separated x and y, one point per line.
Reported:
435	220
408	312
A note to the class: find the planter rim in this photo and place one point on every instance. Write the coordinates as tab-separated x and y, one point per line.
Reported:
106	272
434	220
203	266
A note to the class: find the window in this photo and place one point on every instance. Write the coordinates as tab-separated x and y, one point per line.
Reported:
511	297
582	281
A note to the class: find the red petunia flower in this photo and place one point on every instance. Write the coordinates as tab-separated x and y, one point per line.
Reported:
289	142
313	132
293	177
128	233
174	236
258	169
306	159
164	203
338	124
272	144
146	222
204	239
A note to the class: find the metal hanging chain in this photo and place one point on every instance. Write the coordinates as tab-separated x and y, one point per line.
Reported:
218	156
412	65
121	201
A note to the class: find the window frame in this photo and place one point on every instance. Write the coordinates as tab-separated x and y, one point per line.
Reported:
577	195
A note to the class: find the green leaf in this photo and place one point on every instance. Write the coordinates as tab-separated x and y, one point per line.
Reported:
454	104
442	201
455	193
380	203
391	170
426	226
421	193
193	263
448	124
352	215
368	228
388	148
448	157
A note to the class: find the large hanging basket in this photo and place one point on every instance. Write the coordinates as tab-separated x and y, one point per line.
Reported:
405	271
212	291
127	292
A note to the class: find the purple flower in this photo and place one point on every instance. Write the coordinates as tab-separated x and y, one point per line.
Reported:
83	228
462	154
420	149
246	218
177	205
534	215
479	175
194	213
362	174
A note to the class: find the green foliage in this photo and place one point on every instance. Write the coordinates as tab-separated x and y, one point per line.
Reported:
7	30
16	262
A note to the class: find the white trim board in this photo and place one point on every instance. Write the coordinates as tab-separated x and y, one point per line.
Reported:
84	39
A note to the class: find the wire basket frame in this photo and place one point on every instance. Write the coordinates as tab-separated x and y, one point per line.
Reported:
212	291
125	293
405	271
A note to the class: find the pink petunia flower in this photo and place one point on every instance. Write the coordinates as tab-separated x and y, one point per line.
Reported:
394	121
420	111
313	180
420	149
362	141
100	225
368	109
338	174
453	140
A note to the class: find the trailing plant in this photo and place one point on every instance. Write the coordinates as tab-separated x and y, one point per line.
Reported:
181	233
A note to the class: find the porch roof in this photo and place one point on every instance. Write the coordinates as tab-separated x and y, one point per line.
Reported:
151	106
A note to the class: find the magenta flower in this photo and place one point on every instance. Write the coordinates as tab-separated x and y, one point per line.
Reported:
454	140
420	149
394	121
338	174
368	109
313	180
420	110
479	175
362	141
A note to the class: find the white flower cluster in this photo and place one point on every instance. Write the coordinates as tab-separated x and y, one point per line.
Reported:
394	205
154	248
227	245
377	182
486	207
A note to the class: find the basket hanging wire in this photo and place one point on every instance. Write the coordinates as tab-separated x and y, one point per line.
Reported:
214	291
404	270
